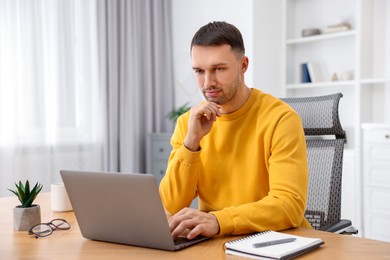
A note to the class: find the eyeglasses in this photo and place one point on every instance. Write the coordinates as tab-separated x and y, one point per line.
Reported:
46	229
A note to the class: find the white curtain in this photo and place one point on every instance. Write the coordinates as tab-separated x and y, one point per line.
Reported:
81	85
50	106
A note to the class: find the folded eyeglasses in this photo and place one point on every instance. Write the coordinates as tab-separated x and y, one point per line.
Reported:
46	229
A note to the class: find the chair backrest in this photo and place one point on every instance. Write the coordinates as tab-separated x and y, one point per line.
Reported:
325	140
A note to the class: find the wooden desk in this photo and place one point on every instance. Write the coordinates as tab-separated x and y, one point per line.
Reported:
71	245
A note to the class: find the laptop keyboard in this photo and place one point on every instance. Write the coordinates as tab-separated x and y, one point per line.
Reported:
181	240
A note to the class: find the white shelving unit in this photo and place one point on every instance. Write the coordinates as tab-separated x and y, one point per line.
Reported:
360	57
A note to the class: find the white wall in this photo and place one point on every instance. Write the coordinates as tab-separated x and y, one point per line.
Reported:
267	59
260	24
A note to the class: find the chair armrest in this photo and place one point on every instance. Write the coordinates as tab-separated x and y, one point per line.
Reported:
343	226
350	231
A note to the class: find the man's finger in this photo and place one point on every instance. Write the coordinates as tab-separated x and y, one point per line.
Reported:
176	219
183	227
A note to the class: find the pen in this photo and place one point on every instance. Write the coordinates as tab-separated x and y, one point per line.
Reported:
273	242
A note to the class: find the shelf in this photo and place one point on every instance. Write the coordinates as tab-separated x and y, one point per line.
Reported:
321	84
321	37
338	83
374	81
375	126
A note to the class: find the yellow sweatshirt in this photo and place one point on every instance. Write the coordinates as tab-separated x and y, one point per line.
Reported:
251	171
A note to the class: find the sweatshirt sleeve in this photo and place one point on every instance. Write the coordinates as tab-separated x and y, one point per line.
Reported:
285	204
178	186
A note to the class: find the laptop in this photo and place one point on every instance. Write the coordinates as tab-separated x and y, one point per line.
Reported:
122	208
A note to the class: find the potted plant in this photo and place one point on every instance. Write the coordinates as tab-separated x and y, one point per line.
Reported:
27	214
175	113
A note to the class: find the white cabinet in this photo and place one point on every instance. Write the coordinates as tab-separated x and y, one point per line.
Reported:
376	181
360	57
158	151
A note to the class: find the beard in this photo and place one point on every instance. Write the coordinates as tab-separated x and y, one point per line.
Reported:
227	93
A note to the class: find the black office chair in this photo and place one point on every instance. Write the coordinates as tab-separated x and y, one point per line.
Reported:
325	140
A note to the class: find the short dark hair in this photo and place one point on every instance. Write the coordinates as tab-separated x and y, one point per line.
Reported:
219	33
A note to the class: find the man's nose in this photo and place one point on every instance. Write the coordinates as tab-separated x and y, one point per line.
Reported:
209	80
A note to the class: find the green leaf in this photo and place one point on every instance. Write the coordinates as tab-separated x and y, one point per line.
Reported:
28	202
37	188
27	190
20	185
175	113
24	194
14	192
21	191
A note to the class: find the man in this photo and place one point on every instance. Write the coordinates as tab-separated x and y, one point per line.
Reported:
242	152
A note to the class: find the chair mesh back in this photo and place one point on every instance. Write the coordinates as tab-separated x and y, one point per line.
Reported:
325	156
320	115
325	159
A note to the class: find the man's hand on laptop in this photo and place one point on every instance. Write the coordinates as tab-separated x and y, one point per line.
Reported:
169	215
197	222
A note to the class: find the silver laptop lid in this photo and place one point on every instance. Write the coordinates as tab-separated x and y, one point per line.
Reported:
119	207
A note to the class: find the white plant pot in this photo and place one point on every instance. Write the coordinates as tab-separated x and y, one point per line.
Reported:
25	218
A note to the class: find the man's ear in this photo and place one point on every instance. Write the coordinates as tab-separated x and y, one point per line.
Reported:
244	64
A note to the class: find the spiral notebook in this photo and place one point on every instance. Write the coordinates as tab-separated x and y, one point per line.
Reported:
272	245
